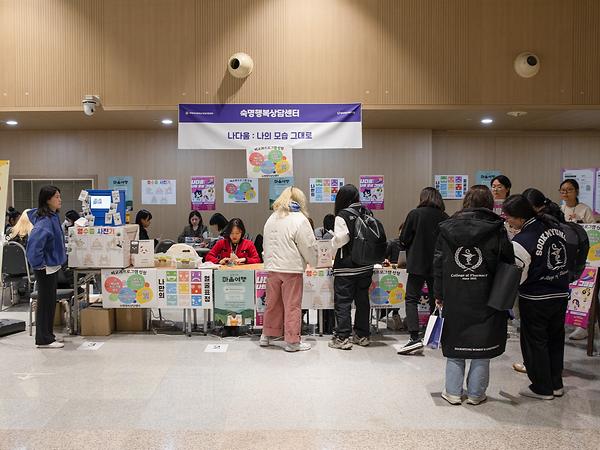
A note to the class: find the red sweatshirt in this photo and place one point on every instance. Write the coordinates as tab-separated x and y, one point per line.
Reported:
222	249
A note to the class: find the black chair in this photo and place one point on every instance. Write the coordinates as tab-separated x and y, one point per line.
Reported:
163	246
15	268
258	243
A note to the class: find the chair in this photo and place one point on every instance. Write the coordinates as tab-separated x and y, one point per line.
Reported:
63	296
163	246
14	268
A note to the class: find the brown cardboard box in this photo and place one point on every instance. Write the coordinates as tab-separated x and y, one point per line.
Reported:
131	319
97	321
59	315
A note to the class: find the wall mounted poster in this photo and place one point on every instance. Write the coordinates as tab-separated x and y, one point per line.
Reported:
586	179
260	282
371	191
452	187
240	190
324	190
269	162
234	297
485	177
124	183
277	186
159	192
593	232
582	294
203	193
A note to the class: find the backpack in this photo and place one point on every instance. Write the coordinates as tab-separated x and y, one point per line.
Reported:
578	246
369	241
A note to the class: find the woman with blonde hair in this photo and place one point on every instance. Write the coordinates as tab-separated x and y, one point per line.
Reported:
20	232
289	244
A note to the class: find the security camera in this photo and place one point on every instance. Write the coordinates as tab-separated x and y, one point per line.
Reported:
527	65
90	104
240	65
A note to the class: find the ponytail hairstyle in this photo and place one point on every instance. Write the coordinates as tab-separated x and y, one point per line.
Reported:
543	205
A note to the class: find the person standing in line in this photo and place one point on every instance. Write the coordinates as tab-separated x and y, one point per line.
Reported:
418	236
46	254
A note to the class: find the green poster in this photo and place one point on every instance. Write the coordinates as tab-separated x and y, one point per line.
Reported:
234	297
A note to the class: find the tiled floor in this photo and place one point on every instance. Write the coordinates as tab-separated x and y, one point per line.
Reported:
164	391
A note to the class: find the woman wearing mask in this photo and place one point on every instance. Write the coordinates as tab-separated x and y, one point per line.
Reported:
234	248
194	229
46	254
289	244
468	250
70	217
418	237
541	247
573	209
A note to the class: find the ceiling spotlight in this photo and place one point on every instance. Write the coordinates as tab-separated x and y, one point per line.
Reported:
12	123
487	121
166	122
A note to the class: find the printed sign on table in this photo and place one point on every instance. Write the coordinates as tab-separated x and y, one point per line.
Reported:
324	190
582	291
318	289
218	126
203	193
485	177
586	179
277	186
128	288
159	192
124	183
371	191
234	297
184	288
240	190
260	298
452	187
271	161
388	288
593	232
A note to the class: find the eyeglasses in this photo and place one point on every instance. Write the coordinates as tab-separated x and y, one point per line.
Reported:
497	188
566	191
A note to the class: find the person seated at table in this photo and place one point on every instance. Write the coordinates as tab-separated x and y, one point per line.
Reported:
326	231
70	217
234	248
143	218
217	225
194	229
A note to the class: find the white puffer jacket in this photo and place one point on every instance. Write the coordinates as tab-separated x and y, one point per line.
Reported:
289	243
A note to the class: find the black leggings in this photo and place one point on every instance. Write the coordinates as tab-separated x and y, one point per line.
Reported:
46	307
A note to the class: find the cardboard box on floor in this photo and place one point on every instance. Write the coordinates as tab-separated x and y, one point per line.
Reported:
97	321
131	319
59	315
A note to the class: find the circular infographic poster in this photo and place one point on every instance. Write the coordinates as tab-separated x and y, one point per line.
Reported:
128	289
273	161
387	290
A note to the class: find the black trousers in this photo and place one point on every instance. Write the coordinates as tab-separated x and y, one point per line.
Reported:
414	286
46	307
543	342
348	289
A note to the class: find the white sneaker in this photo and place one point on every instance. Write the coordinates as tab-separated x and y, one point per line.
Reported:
264	341
578	334
520	367
452	399
54	344
559	392
297	347
527	392
476	400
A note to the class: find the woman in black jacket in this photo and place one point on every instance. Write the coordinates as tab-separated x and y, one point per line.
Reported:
418	237
468	250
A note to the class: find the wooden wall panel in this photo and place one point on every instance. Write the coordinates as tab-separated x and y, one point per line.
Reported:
586	52
7	53
58	51
149	52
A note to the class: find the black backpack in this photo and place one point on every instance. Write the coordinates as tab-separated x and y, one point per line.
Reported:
369	241
578	246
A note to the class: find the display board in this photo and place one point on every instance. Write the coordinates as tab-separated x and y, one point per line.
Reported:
485	177
586	178
203	193
123	183
388	288
324	190
159	192
277	186
593	232
371	188
234	297
582	295
318	289
271	161
452	187
260	299
240	190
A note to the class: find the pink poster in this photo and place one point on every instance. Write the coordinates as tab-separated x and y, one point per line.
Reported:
203	193
371	191
260	284
582	295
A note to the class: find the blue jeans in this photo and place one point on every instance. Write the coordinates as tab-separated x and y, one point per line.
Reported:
478	378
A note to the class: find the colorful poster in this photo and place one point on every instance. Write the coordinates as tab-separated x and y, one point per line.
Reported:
184	288
159	192
388	288
4	166
124	183
485	177
318	289
597	192
261	297
218	126
582	295
234	297
203	193
452	187
271	161
586	179
240	190
277	186
371	191
128	288
593	232
324	190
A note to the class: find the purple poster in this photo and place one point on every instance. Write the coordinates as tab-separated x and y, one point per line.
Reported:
371	191
203	193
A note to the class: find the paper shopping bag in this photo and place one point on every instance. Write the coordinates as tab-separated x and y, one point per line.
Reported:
433	332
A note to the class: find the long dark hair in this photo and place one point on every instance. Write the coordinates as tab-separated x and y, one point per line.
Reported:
142	214
430	196
478	196
198	215
234	223
518	206
546	206
347	195
46	193
219	220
